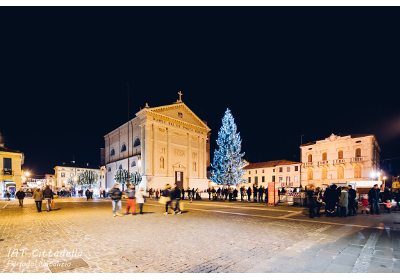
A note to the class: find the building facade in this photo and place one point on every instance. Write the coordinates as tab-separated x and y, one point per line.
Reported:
67	170
340	159
10	169
284	172
166	144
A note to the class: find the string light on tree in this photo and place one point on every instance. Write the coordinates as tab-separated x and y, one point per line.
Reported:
227	163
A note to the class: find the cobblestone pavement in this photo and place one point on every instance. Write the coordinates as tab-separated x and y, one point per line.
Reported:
207	237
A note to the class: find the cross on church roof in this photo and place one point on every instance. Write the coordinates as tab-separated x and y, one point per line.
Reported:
180	96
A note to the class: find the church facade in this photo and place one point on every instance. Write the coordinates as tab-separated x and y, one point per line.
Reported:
166	145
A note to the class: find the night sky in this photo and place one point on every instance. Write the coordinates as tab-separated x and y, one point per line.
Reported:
283	72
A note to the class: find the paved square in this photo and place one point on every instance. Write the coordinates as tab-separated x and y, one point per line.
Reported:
207	237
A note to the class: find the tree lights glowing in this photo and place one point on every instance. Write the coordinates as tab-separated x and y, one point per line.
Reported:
227	163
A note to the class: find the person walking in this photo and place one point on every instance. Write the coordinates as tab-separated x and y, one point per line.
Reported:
248	194
20	195
343	202
177	198
130	192
168	195
311	201
352	201
140	195
38	197
48	196
373	196
116	195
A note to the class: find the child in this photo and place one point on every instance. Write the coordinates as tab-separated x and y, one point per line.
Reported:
388	206
365	205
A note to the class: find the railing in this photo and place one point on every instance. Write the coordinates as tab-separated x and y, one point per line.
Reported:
357	159
290	184
324	162
342	160
308	164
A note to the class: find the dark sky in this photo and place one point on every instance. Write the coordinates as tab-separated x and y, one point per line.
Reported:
283	72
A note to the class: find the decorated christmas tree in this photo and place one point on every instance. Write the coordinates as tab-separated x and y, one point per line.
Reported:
135	178
121	177
227	163
87	178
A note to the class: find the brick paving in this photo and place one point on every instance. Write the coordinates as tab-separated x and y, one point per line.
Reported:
207	237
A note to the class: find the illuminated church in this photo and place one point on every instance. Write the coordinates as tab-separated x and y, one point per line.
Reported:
167	144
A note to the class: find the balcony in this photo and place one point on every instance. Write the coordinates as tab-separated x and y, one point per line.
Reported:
357	159
308	164
339	161
323	162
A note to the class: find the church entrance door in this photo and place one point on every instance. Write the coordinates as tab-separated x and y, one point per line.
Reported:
179	179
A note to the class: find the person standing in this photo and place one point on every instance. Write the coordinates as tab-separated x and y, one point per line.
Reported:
87	193
20	195
397	198
373	196
177	198
241	193
352	201
343	202
255	192
183	193
116	195
38	197
248	193
318	198
8	195
209	193
311	201
130	192
140	195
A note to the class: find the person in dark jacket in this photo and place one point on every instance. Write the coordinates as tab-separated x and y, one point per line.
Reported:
116	195
331	199
20	195
169	195
255	192
397	198
248	193
177	198
87	193
352	201
387	194
373	196
48	196
8	195
311	202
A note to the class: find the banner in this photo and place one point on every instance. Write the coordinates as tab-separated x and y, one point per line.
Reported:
273	194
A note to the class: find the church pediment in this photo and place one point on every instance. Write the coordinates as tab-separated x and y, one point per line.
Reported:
180	112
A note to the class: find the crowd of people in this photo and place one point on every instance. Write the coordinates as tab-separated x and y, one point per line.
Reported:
343	202
254	193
